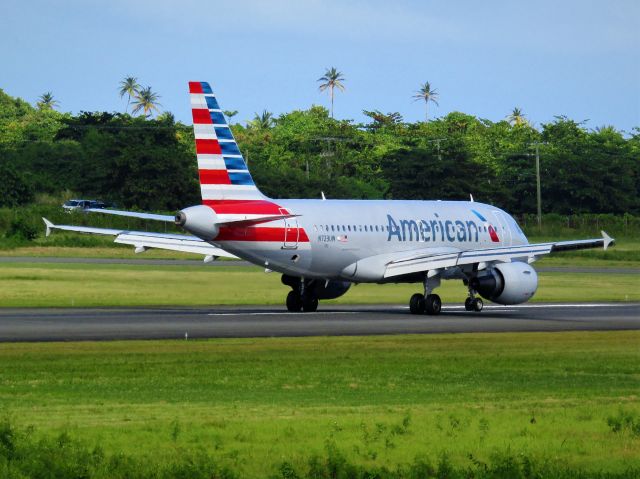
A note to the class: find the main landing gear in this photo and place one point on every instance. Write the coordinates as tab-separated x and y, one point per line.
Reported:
302	296
297	302
428	302
432	304
420	304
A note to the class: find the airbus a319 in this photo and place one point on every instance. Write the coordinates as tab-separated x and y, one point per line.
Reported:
322	246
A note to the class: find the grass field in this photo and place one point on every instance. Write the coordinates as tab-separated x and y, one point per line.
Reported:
625	254
571	398
65	285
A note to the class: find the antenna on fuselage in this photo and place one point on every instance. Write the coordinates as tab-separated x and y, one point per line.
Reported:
322	194
471	196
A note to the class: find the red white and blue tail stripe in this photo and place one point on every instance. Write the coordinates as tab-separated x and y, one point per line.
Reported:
223	172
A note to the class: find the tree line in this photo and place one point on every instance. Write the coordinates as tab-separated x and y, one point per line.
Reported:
149	163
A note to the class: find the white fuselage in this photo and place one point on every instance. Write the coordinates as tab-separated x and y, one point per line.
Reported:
350	239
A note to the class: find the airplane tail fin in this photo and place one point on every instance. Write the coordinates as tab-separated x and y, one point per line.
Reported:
224	176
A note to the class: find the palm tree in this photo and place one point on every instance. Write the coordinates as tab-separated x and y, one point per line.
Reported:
264	121
332	79
130	87
427	94
147	101
230	114
517	118
47	102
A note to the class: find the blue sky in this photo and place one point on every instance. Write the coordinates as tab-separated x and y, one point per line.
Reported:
577	58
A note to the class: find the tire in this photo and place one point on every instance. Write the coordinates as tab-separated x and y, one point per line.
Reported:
468	304
294	302
309	305
433	304
416	304
478	305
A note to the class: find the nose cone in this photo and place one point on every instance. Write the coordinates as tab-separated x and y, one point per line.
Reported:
199	220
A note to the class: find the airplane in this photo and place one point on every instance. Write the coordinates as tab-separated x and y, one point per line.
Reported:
323	246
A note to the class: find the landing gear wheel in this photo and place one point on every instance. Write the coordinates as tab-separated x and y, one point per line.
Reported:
416	304
468	304
433	304
477	305
294	302
309	305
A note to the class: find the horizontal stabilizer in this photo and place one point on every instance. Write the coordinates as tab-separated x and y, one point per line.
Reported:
133	214
252	221
143	240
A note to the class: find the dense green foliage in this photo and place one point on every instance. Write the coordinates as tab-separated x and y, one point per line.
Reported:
150	163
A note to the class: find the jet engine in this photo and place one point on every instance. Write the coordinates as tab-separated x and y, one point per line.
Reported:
199	220
331	289
507	283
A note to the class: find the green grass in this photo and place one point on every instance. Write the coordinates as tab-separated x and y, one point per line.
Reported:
253	403
64	285
626	253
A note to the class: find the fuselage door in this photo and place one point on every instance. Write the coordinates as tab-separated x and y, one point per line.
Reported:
291	231
504	231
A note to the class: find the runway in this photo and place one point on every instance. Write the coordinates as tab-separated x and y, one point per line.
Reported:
269	321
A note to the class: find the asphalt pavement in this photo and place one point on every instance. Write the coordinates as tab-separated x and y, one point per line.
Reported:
77	324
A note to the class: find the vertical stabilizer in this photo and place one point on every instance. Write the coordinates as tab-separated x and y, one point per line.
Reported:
224	176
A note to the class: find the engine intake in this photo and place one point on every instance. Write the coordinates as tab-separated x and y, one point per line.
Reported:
507	283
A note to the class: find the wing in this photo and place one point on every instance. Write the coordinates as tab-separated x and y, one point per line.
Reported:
529	253
142	240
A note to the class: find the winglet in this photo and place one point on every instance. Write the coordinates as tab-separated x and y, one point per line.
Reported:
49	226
608	240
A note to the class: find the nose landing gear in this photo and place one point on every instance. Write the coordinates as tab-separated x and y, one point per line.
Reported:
473	304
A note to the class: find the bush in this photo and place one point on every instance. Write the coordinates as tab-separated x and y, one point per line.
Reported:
23	228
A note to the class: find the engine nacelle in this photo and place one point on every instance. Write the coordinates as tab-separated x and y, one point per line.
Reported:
332	289
199	220
507	283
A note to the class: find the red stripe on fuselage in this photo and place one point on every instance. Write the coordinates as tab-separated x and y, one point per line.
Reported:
247	207
214	177
201	116
195	87
208	147
231	233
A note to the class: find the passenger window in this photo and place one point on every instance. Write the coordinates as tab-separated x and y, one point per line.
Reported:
349	227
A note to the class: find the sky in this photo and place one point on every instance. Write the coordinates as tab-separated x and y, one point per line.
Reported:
579	58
